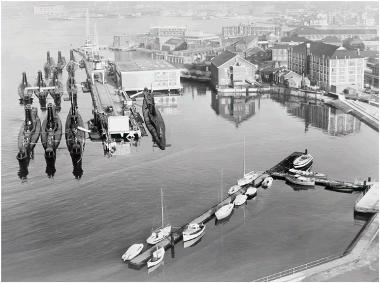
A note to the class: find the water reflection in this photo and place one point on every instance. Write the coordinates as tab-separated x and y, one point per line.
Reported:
235	109
167	104
332	121
23	172
77	166
113	148
198	89
50	167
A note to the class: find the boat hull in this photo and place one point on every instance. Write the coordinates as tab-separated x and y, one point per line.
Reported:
224	211
234	189
247	179
188	237
155	124
296	181
75	147
159	235
267	183
132	252
251	192
240	200
34	136
158	256
303	161
308	174
56	135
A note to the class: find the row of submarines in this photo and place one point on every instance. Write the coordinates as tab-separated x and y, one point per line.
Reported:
51	130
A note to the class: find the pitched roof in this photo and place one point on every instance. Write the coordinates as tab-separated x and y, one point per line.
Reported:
369	53
331	39
174	41
246	39
255	49
280	46
222	58
316	48
294	39
343	54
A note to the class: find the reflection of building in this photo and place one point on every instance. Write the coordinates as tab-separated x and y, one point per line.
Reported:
167	104
195	89
235	109
332	121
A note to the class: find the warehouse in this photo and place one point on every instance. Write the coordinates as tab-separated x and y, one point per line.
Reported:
158	75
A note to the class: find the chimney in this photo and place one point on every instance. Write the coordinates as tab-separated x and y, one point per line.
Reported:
358	51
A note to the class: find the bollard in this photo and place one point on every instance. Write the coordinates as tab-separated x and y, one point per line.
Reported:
305	151
369	179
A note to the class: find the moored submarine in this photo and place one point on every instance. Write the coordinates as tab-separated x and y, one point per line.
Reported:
42	95
51	132
58	91
24	97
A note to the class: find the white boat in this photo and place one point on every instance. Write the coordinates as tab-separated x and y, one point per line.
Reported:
248	178
157	257
301	180
302	161
251	192
267	182
234	189
224	211
307	173
240	199
164	231
132	252
192	231
194	241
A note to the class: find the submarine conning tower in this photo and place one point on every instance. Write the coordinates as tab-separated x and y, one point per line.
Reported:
24	80
59	57
40	80
28	117
50	117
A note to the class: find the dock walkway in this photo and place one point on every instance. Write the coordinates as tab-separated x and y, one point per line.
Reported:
141	259
369	203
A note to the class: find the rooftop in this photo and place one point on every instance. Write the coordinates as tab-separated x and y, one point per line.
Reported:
174	41
294	39
222	58
144	65
331	39
335	31
280	46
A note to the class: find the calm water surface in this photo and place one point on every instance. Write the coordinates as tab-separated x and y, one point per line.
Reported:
63	229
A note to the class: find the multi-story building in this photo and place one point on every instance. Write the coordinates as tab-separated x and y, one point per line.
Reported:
317	34
371	44
327	65
372	77
251	29
280	54
168	31
200	39
332	40
293	40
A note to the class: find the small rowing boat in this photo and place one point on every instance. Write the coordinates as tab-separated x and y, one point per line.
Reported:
251	192
240	199
132	252
157	257
308	173
192	231
234	189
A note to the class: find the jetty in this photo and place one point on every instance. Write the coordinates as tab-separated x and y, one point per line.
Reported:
203	218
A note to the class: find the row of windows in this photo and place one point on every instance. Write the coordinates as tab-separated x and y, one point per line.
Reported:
170	83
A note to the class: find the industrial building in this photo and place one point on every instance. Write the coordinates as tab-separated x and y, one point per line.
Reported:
327	65
245	30
158	75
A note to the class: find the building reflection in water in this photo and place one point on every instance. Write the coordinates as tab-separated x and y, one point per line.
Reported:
332	121
198	89
167	104
235	109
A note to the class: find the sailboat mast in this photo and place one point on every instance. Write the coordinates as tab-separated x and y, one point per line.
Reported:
162	209
221	187
244	159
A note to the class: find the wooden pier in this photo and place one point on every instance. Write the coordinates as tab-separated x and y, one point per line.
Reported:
176	235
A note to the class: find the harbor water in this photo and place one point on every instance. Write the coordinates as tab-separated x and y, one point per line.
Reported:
65	229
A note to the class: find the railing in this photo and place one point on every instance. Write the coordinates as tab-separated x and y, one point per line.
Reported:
299	268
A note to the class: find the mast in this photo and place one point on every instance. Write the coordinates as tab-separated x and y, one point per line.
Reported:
244	158
162	208
221	187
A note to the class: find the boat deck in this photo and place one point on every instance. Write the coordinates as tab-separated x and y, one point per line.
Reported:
141	259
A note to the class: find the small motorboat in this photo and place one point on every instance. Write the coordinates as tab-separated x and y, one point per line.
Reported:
301	180
234	189
193	231
224	211
240	199
248	178
132	252
267	183
157	257
193	242
308	173
251	192
302	161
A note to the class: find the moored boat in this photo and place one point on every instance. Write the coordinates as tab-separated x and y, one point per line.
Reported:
61	63
24	83
48	66
251	192
58	91
301	180
193	242
248	178
303	161
29	133
51	132
132	252
157	257
153	120
224	211
240	199
267	183
193	231
164	231
308	173
234	189
42	95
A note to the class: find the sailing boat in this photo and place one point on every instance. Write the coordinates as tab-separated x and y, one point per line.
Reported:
225	210
157	257
249	177
161	233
